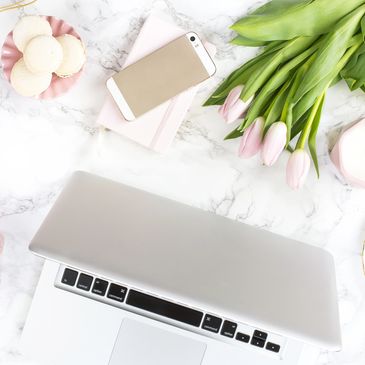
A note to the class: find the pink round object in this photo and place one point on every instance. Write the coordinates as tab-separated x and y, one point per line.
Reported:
10	55
339	150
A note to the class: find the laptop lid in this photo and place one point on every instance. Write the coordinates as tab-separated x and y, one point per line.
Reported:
195	257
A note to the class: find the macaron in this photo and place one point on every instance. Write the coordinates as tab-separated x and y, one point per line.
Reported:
29	27
27	83
43	54
73	55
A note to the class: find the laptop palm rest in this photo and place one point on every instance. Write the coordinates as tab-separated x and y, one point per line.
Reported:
141	344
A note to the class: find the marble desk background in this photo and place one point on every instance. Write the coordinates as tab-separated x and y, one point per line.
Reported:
42	142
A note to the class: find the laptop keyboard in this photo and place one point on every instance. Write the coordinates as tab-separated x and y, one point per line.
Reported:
82	283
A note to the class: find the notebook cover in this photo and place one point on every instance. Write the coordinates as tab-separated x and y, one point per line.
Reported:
157	128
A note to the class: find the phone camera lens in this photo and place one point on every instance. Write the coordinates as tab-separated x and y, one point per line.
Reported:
192	38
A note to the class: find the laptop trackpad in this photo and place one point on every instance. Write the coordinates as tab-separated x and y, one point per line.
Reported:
141	344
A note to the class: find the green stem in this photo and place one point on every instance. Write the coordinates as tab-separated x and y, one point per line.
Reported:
281	91
279	78
341	64
297	79
306	130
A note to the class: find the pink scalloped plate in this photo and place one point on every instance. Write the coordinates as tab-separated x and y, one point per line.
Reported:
10	55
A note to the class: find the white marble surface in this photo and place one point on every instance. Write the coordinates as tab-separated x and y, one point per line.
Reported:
41	143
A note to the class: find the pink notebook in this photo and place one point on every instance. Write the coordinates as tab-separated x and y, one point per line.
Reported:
157	128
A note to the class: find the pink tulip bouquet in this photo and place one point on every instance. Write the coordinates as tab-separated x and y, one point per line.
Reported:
252	140
278	96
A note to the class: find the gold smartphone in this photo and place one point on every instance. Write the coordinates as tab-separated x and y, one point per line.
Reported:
161	75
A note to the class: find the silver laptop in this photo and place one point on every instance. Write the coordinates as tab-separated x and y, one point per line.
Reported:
131	278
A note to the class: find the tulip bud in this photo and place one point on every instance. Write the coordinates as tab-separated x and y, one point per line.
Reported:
233	107
274	143
252	138
297	168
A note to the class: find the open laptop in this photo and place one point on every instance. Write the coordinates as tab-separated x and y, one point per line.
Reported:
131	278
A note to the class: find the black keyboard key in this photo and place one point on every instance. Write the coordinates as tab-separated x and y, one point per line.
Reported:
84	282
272	347
69	277
229	329
117	292
212	323
100	286
257	342
260	334
164	308
242	337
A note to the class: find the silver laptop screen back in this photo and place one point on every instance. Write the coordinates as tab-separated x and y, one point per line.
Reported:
194	257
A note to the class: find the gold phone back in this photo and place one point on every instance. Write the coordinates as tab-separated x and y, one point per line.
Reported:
161	75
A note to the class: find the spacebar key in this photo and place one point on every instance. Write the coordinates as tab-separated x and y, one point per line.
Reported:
164	308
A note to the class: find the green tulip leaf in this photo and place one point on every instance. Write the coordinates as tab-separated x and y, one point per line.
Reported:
280	20
298	125
328	56
243	41
258	78
354	71
279	78
287	111
275	109
240	75
234	134
362	26
306	102
313	134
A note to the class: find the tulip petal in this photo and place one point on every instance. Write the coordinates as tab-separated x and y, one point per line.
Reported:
252	139
233	107
297	169
274	143
235	111
231	98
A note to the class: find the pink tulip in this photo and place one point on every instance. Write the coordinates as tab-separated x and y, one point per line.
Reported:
234	106
252	138
297	168
274	143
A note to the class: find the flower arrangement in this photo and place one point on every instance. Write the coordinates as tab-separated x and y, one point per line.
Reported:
307	46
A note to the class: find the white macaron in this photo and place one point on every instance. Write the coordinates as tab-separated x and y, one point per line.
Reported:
43	54
27	83
29	27
73	55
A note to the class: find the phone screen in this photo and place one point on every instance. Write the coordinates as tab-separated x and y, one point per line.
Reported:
163	74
